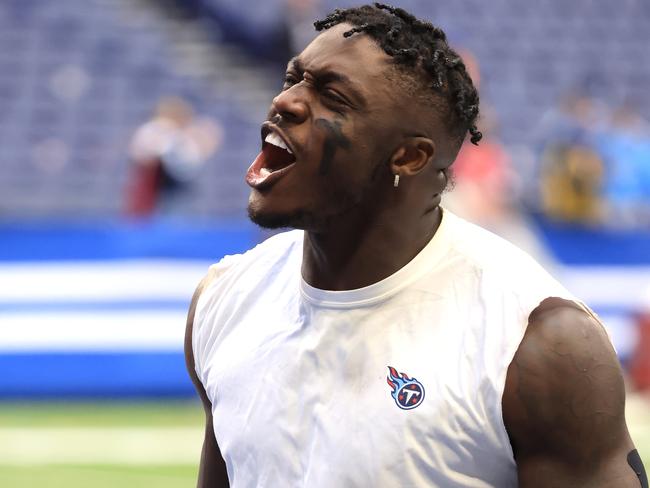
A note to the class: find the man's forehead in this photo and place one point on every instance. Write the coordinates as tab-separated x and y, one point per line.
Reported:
332	51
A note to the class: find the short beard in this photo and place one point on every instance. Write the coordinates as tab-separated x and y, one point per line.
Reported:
304	219
277	221
313	221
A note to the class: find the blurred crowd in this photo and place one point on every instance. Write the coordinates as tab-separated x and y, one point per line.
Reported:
161	101
590	167
168	152
594	164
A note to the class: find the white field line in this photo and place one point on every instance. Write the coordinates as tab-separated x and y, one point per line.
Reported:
126	446
637	413
593	284
100	280
61	331
96	445
639	432
165	445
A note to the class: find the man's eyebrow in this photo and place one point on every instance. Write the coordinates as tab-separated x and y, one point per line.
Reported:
294	63
326	76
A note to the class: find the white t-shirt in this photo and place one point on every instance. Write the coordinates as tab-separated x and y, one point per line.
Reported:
397	384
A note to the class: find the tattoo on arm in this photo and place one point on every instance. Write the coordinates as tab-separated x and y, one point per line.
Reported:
634	460
333	140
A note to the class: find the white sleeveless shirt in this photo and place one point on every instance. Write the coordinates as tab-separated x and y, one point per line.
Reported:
397	384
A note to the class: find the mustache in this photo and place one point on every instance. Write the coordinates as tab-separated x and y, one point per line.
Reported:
274	117
277	120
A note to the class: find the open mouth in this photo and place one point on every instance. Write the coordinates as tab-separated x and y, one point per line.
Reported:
271	163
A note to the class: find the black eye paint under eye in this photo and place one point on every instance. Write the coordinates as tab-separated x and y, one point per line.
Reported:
334	140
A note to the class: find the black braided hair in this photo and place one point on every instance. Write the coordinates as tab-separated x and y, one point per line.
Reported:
413	44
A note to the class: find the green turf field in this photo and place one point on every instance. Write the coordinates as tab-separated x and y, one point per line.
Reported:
133	445
100	445
103	414
100	476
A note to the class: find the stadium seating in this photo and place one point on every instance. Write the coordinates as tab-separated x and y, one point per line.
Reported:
78	77
76	80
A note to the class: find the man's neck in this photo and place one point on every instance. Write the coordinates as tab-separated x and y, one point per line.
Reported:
360	252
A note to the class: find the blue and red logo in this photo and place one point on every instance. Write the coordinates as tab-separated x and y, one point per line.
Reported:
407	392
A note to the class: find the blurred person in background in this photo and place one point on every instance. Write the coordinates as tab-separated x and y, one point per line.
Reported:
168	153
640	363
571	184
595	164
485	186
571	168
497	376
625	149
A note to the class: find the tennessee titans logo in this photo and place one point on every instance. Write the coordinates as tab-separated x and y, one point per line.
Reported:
407	392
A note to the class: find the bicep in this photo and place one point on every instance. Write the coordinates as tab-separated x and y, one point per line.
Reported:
564	405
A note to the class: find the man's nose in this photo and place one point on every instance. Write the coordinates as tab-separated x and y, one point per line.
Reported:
291	104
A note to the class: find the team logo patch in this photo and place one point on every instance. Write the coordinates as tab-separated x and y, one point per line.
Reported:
407	392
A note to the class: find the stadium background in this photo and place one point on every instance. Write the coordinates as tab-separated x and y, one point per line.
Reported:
126	127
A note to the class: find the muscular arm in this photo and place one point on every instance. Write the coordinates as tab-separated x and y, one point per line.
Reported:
564	404
212	470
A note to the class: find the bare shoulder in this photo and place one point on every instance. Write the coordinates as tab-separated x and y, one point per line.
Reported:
212	468
189	326
564	402
565	369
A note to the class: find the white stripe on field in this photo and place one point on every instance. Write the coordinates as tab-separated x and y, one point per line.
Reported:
142	279
100	280
131	446
106	331
609	286
166	445
115	445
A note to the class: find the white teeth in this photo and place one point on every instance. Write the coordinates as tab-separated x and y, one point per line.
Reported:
276	140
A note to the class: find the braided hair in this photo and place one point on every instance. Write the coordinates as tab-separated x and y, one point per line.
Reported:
416	46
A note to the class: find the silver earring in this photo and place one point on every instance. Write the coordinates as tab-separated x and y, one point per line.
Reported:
396	181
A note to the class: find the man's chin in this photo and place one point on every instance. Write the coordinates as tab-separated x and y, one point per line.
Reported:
312	219
276	220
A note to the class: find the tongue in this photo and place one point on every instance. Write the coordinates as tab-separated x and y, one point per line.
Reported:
270	159
276	157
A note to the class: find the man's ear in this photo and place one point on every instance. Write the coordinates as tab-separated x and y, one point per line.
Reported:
412	156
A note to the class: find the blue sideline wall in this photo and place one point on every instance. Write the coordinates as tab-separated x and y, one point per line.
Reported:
98	310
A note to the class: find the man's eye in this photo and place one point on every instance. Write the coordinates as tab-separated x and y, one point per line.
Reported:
334	97
289	80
